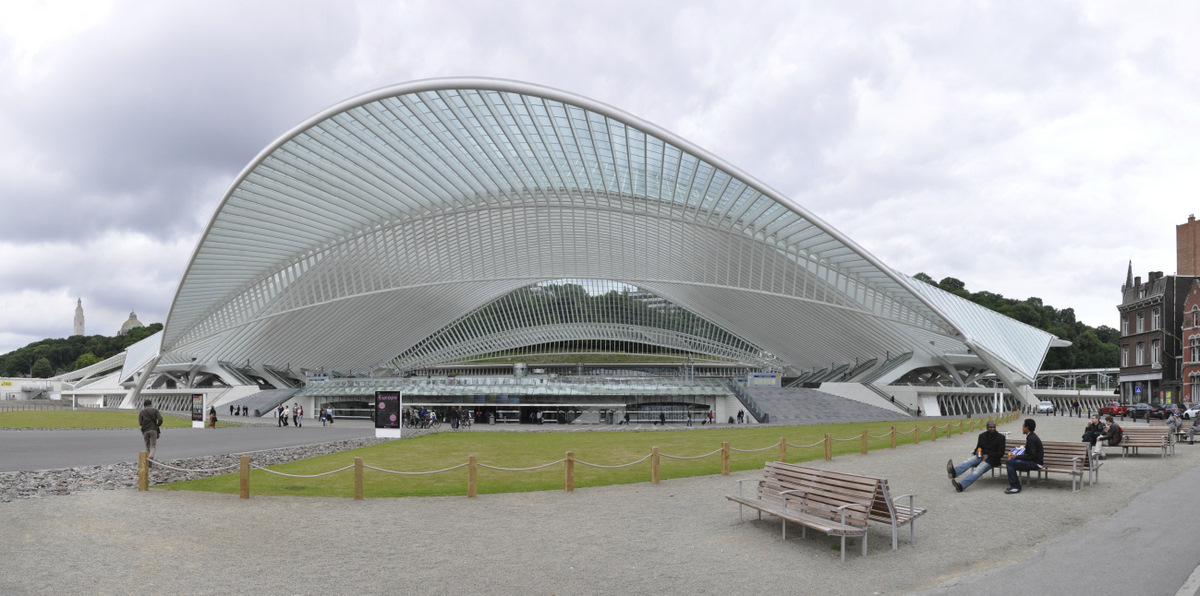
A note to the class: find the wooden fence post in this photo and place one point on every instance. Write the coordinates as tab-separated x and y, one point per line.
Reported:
569	482
783	449
828	447
472	479
358	474
725	458
893	436
916	435
654	465
933	432
244	472
143	471
864	445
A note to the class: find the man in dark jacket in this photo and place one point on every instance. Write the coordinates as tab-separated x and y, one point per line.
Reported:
989	450
1030	459
149	420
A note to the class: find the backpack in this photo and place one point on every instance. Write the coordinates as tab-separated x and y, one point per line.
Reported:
1115	435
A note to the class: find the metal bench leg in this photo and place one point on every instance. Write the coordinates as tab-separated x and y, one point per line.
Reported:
843	548
912	534
864	544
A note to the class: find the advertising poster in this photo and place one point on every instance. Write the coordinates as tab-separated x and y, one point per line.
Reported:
198	407
387	409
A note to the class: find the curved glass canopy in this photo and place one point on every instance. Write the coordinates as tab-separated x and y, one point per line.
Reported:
369	230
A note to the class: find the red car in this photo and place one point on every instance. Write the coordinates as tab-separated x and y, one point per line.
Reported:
1114	409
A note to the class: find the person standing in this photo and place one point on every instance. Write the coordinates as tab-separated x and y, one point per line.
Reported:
989	450
150	421
299	416
1028	459
212	417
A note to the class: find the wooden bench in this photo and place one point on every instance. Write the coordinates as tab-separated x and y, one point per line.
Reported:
1063	457
1153	437
887	509
812	498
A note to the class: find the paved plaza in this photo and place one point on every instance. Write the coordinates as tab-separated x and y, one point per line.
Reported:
680	536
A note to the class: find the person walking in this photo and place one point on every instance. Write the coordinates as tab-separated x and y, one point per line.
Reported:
212	417
150	422
299	415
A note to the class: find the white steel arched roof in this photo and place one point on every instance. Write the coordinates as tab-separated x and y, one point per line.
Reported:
380	221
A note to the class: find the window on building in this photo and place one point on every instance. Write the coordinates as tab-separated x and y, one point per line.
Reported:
1156	319
1141	326
1195	387
1156	352
1124	325
1195	350
1140	354
1125	355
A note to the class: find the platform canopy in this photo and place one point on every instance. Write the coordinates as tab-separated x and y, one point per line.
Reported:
383	221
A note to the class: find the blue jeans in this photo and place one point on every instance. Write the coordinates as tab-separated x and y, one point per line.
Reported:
1016	465
981	468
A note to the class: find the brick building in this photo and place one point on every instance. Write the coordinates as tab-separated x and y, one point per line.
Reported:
1187	247
1153	323
1191	344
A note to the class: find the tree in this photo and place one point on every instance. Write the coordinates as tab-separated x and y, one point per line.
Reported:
954	286
85	360
925	278
42	368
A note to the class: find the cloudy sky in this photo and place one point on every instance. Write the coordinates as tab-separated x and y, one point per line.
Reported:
1026	148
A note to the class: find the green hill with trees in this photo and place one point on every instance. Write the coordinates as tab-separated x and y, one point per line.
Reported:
1091	347
50	357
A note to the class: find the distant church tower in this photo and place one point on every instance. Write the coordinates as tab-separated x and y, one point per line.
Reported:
78	317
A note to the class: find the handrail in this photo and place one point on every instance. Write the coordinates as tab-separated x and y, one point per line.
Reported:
748	402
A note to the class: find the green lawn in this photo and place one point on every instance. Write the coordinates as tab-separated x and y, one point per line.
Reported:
80	419
524	450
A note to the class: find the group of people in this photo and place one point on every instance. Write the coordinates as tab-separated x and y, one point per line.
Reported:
990	451
1097	434
295	412
239	410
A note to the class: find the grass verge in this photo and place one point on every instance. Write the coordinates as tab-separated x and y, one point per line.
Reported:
526	450
50	419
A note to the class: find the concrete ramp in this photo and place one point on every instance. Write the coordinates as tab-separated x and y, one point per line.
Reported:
811	406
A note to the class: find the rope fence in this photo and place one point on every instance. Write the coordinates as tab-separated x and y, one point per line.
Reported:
569	461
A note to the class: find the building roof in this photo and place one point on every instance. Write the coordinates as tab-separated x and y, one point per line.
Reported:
380	221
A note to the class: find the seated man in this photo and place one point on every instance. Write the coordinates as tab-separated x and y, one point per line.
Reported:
989	449
1094	429
1028	459
1192	431
1174	422
1111	436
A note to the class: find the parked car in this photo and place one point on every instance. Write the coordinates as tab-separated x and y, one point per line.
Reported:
1114	409
1146	411
1169	409
1045	408
1193	409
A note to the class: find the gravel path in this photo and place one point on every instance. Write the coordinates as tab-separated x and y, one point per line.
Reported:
680	536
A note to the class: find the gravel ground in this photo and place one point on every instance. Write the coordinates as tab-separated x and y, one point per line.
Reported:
680	536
